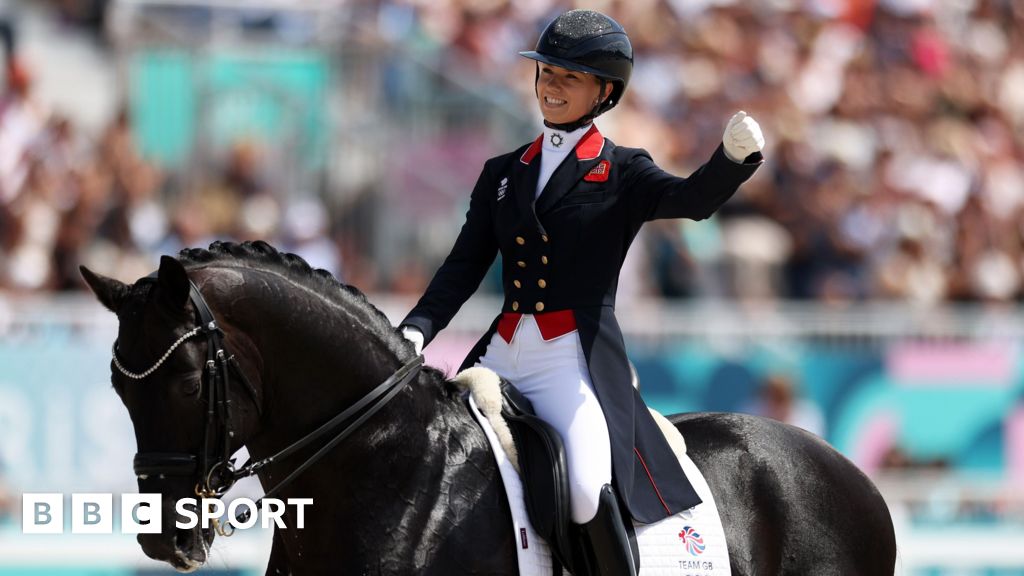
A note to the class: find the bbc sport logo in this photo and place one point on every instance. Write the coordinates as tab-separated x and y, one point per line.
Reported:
93	513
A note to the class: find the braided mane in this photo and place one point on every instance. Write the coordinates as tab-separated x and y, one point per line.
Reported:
262	256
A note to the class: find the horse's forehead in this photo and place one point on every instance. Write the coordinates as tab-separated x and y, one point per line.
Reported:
137	301
142	313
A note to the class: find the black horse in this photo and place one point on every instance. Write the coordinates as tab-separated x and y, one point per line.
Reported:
415	490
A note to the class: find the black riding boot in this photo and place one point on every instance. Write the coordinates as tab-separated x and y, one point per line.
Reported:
605	536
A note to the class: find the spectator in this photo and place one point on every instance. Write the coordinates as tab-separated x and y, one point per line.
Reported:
896	168
7	499
779	399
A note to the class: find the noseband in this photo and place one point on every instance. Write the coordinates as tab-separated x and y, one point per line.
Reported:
214	469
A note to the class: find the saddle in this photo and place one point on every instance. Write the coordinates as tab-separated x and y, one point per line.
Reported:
532	452
536	451
544	472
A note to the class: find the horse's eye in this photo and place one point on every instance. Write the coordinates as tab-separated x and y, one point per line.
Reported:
193	385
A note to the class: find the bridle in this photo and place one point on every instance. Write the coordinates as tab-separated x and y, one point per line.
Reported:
214	468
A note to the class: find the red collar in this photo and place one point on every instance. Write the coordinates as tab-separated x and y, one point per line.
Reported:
588	148
532	151
590	145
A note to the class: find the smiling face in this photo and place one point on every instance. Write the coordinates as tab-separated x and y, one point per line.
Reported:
566	95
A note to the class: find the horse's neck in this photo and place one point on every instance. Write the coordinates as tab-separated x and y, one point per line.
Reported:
397	483
427	486
416	474
313	354
317	359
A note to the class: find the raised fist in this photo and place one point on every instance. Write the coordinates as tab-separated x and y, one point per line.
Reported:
742	137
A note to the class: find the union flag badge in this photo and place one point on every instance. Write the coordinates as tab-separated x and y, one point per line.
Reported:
599	173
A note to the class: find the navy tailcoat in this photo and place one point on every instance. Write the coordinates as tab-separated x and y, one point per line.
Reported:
563	252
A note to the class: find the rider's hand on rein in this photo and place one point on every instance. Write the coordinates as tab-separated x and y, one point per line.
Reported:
415	336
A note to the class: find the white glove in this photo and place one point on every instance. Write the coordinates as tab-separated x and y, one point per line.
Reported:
742	137
415	336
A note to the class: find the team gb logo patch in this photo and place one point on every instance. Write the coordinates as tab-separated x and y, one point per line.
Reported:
692	540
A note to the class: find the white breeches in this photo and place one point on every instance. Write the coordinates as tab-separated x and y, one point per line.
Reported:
555	378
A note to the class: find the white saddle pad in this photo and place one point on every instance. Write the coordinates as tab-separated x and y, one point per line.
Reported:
691	543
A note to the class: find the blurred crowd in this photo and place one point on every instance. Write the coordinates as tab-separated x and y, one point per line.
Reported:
895	138
68	198
895	153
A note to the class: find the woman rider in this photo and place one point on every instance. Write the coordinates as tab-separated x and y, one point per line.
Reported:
563	211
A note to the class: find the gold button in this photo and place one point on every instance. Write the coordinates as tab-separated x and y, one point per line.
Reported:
542	283
515	306
543	259
520	240
517	283
539	306
544	237
521	264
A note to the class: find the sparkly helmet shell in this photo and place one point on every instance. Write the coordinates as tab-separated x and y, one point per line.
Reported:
588	41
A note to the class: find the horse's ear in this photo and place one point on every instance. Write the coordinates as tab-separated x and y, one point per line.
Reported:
172	283
110	292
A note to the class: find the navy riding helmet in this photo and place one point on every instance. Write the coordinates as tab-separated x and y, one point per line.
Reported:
588	41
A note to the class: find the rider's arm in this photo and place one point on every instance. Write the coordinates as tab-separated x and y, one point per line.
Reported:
463	269
656	194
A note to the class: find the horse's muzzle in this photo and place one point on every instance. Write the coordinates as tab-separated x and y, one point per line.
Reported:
185	549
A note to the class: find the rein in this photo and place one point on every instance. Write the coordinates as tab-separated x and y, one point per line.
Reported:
218	419
372	403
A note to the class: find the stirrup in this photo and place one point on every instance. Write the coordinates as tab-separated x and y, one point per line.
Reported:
606	541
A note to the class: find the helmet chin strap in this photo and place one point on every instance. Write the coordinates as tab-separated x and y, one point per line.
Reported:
583	120
571	126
